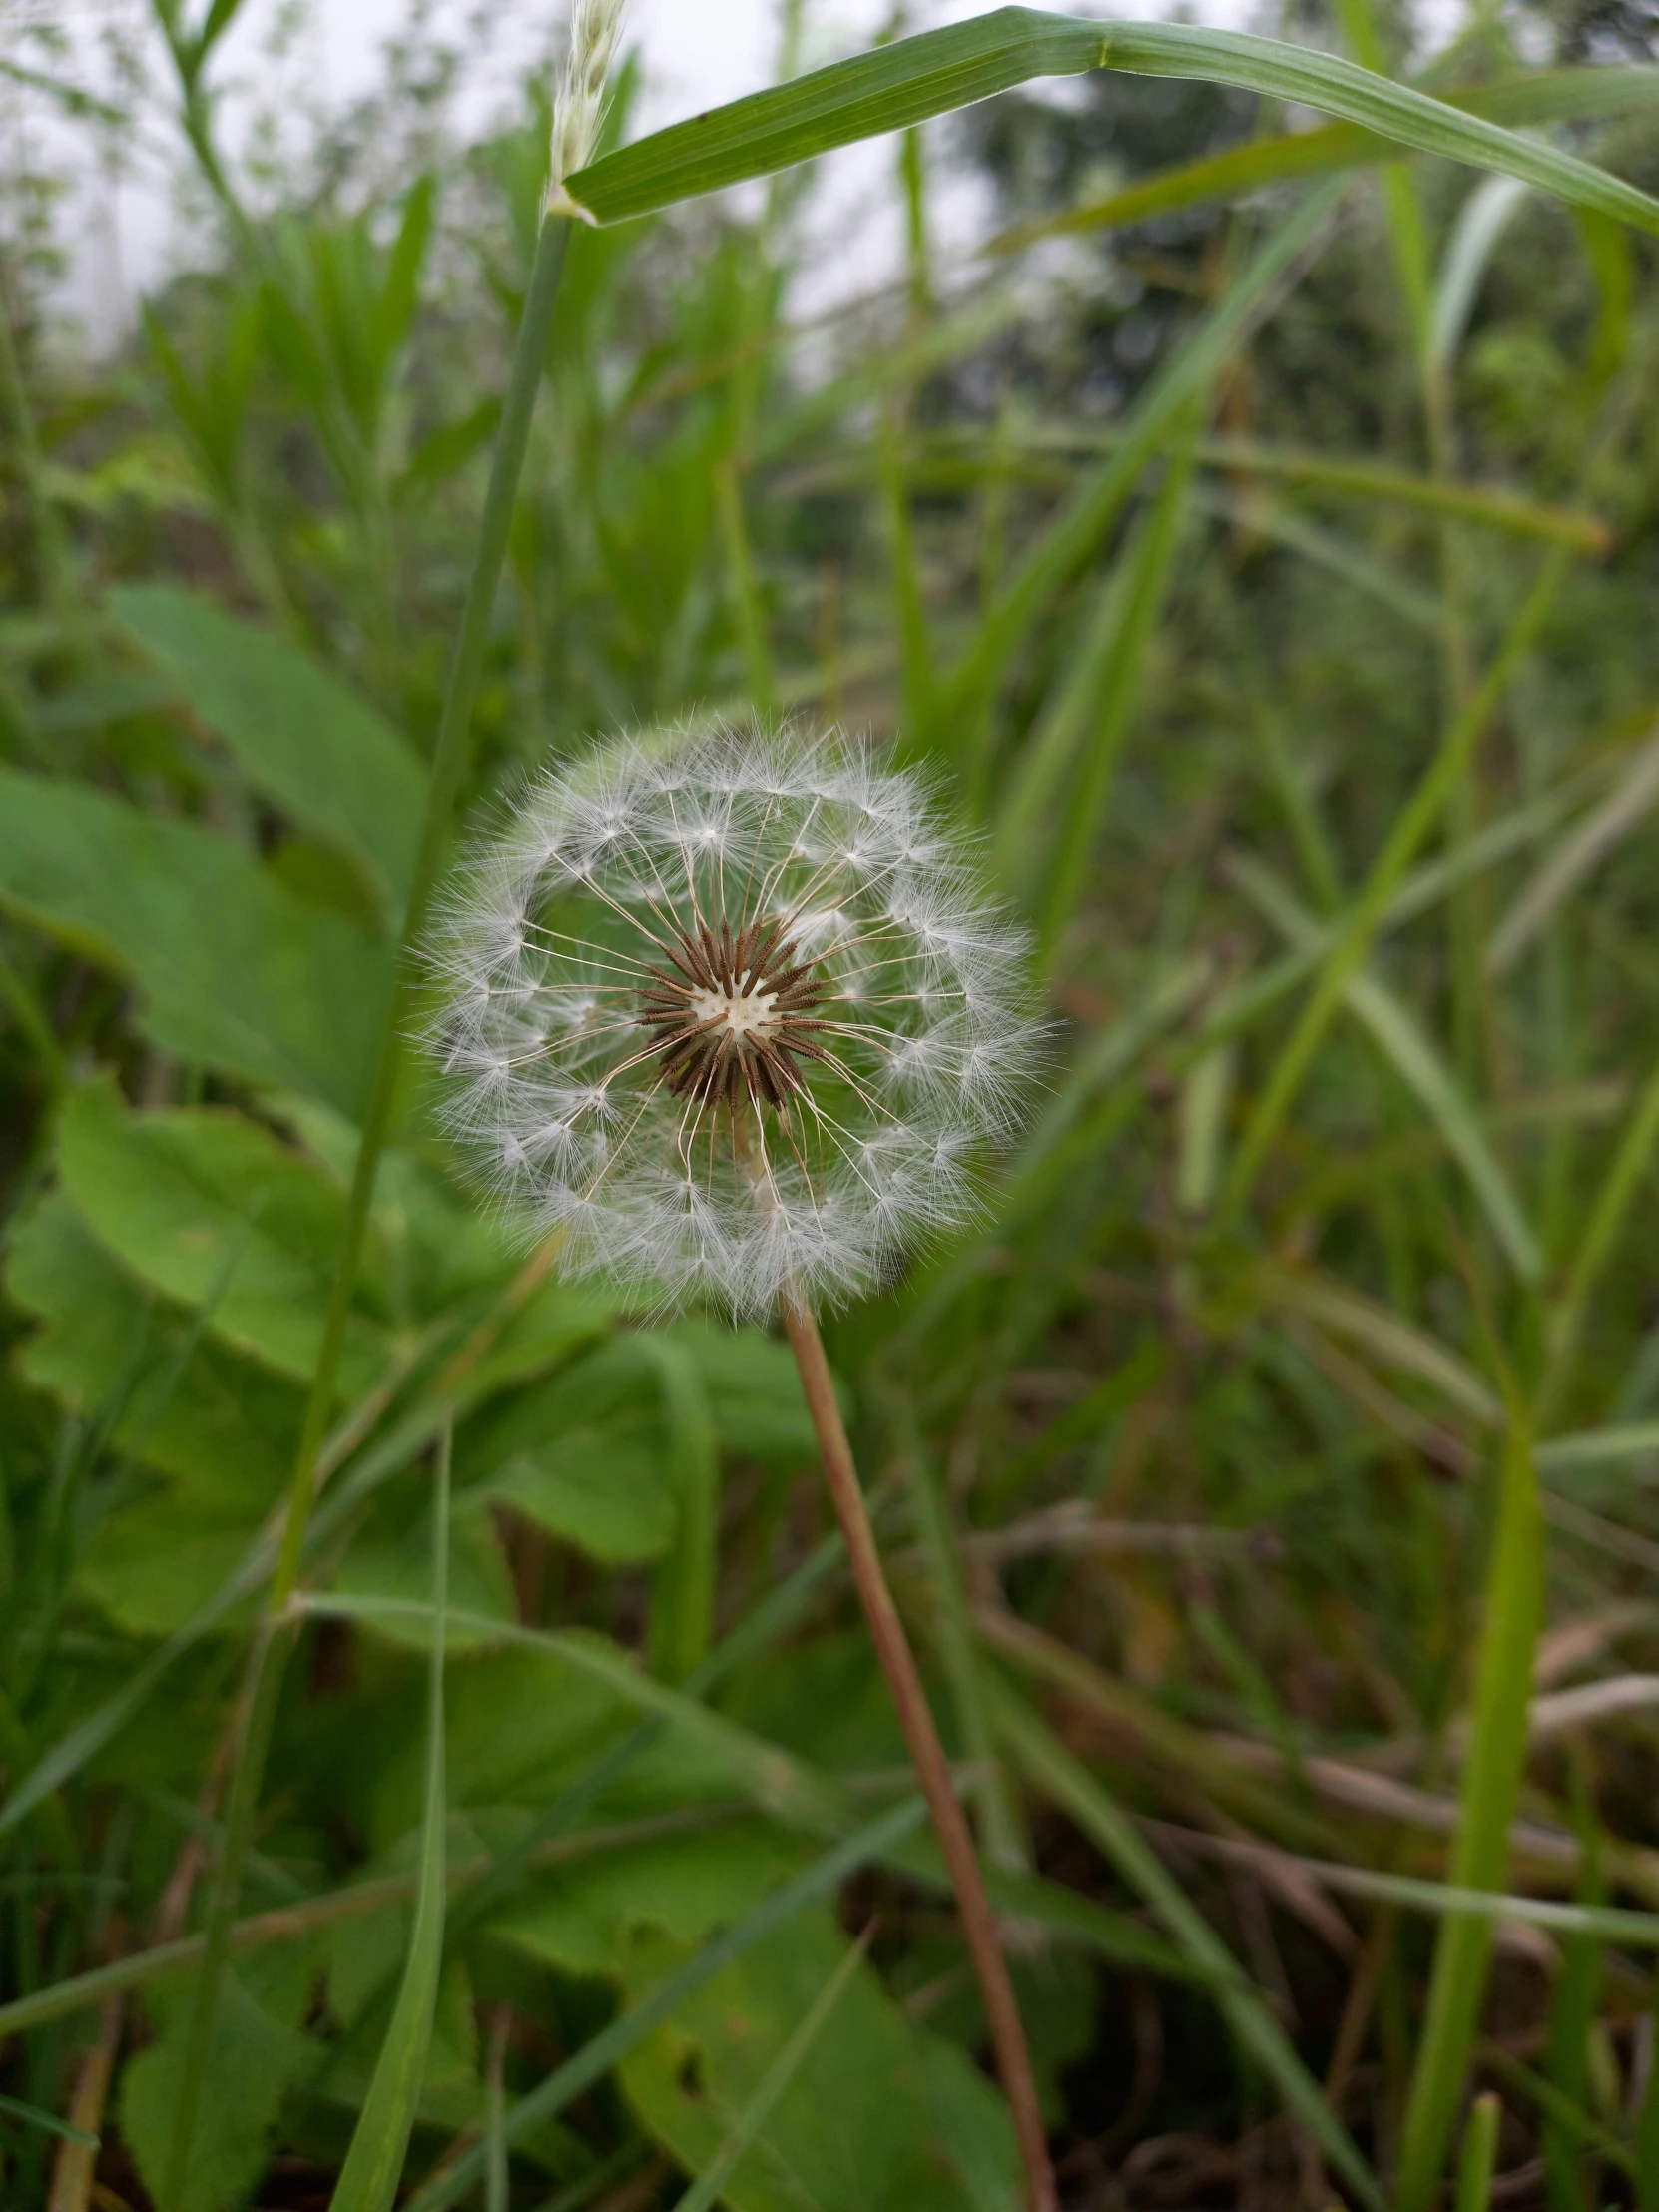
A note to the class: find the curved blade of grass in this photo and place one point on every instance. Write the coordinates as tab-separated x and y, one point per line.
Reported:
374	2163
1602	1232
1547	96
1354	933
1081	524
595	2057
1481	222
1479	2161
1598	1447
1486	1803
1603	828
1407	1048
705	2190
1068	1784
33	2116
916	78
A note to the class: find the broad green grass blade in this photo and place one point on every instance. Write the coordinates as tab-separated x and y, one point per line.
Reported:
373	2167
1486	1803
704	2191
939	71
596	2058
1051	1769
1480	2159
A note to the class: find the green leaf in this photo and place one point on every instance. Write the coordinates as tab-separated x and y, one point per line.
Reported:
1492	1773
711	2182
394	311
754	1392
198	1409
252	2061
597	2056
915	77
198	1196
236	972
374	2163
586	1919
296	732
853	2128
399	1565
583	1456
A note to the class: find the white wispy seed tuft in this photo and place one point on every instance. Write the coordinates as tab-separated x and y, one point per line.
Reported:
579	99
731	1011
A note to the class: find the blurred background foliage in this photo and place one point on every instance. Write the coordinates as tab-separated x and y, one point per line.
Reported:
1185	572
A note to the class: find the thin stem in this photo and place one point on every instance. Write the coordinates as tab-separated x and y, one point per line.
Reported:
1013	2060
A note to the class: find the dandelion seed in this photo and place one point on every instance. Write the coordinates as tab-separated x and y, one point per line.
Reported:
730	1010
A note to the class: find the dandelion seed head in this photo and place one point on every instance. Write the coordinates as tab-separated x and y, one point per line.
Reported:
731	1011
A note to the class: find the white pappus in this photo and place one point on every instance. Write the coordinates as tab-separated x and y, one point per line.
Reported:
731	1012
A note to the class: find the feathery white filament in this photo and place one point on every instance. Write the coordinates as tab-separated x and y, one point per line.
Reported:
813	1100
579	99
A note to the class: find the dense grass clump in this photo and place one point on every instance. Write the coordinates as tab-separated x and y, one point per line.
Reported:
443	1757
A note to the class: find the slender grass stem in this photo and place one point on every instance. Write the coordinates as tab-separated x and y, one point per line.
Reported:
927	1753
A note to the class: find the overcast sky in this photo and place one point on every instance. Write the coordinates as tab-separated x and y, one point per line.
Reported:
697	53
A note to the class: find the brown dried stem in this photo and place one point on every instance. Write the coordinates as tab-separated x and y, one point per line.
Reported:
1013	2060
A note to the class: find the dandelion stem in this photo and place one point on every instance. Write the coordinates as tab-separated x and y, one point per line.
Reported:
1013	2060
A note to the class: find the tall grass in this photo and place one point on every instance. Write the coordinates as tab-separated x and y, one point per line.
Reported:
1266	1476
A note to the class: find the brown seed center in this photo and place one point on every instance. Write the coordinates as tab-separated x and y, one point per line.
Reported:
733	1015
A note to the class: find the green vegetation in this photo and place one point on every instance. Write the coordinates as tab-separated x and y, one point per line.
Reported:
441	1752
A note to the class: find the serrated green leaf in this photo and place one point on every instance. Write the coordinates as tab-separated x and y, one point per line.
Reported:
253	2062
188	1197
855	2126
223	1423
236	972
297	733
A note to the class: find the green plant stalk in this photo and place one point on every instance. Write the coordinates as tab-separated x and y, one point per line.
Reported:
1646	2143
1600	1240
1365	919
381	2141
264	1679
1486	1801
449	761
746	589
1480	2159
1006	1844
